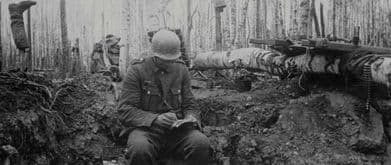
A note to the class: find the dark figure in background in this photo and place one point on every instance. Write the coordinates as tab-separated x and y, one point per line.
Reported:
17	24
108	49
156	102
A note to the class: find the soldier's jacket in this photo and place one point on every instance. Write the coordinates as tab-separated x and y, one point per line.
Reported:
149	91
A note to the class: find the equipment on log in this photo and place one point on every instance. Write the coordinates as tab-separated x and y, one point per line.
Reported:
322	45
284	46
355	61
325	45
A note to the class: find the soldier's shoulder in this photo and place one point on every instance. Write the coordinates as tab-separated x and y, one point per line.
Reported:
181	64
137	61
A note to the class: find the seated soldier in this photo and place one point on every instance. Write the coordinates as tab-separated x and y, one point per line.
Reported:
157	103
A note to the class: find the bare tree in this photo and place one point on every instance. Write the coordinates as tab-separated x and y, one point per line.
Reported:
258	20
242	27
64	38
333	19
1	47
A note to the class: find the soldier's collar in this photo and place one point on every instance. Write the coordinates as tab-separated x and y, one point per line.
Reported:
156	68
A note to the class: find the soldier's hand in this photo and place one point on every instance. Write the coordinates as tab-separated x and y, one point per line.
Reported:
166	119
187	119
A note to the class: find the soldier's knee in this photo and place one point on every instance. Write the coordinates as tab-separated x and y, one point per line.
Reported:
140	146
197	148
199	141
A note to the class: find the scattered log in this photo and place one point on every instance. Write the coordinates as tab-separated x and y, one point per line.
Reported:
275	63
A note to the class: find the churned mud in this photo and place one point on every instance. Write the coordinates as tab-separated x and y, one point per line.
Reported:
277	122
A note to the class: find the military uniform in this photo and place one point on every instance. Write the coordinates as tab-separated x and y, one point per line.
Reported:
113	50
149	91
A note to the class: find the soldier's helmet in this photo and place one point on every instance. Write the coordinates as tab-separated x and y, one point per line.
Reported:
166	45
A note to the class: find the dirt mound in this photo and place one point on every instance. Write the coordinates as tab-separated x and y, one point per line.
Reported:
27	119
277	124
54	122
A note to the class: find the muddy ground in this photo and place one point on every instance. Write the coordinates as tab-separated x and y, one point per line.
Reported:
277	122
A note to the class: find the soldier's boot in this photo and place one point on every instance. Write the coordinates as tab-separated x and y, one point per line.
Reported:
17	24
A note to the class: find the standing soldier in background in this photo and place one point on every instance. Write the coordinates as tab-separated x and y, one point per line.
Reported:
156	102
105	59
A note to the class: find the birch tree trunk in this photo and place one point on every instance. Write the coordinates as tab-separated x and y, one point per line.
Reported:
256	59
304	26
294	19
315	19
1	45
28	58
276	19
333	19
242	27
64	39
233	23
125	30
280	20
322	25
258	20
219	37
345	20
189	26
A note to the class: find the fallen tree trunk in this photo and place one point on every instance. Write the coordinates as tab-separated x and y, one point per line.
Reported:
275	63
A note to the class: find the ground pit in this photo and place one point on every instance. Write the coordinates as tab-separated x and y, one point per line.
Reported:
277	122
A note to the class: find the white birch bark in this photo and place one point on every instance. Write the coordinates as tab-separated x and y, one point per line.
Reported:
275	63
